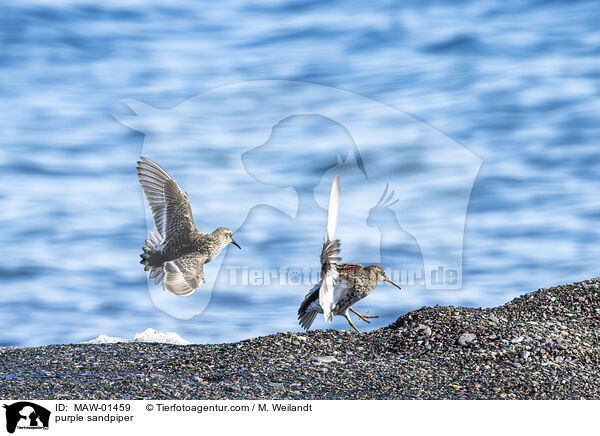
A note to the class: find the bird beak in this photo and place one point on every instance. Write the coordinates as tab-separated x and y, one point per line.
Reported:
236	244
389	281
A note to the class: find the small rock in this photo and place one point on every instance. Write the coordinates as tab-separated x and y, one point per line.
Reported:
494	319
320	360
424	330
466	338
525	355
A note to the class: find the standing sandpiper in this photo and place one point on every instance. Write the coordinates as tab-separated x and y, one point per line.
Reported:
176	251
341	285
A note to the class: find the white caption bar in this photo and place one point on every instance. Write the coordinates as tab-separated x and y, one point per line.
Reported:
363	418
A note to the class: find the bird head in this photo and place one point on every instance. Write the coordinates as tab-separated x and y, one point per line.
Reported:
227	235
380	275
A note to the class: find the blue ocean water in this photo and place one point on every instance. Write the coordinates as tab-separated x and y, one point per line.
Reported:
516	84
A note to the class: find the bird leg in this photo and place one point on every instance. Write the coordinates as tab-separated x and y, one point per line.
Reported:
350	321
364	315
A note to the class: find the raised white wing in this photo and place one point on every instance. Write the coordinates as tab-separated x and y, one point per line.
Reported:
330	255
332	211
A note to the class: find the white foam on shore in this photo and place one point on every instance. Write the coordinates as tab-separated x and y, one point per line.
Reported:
151	335
148	335
103	339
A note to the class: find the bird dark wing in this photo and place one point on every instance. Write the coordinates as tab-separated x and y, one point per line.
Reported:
169	204
310	307
184	275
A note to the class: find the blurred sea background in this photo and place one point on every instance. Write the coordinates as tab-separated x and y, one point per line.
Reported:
517	83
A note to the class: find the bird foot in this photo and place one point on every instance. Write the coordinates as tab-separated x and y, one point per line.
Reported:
351	323
364	316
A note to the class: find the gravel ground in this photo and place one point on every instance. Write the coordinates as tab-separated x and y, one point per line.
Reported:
542	345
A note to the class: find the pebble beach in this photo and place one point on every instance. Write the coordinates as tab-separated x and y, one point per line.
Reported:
541	345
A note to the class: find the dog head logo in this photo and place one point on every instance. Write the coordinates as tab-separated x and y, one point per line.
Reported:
26	415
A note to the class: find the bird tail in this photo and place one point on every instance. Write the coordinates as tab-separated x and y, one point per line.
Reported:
154	244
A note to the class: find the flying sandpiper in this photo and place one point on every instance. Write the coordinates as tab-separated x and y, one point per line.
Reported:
176	250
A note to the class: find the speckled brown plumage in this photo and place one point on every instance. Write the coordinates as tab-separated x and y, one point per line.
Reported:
176	251
358	282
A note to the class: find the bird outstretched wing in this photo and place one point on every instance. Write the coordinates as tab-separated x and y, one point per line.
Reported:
332	210
184	275
330	255
170	206
310	307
